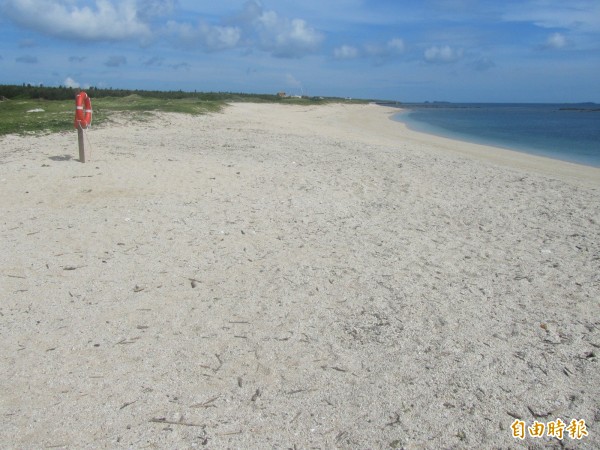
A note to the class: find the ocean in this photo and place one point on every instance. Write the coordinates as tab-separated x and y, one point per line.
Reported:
569	132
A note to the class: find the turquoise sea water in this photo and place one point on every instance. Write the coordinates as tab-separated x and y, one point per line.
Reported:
569	132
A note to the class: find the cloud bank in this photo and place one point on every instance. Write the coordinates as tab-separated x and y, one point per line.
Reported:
104	21
143	21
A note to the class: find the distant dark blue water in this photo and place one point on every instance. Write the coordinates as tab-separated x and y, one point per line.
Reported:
569	132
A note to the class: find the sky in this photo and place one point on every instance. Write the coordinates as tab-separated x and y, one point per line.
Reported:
402	50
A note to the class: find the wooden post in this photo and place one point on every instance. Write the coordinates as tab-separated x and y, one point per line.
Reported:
81	144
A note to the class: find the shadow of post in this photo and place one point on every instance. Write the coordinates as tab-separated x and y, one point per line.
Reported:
61	158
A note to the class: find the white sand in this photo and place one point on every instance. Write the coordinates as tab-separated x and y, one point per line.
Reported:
293	277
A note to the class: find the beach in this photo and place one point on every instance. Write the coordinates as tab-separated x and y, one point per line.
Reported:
284	276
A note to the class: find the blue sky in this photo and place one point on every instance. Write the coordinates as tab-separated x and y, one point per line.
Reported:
406	50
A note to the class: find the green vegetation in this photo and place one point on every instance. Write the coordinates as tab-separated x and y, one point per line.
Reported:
26	108
15	118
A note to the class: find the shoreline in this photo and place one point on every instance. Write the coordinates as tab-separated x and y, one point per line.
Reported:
424	127
280	276
507	157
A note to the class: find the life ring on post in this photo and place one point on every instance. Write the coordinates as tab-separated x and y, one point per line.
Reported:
83	110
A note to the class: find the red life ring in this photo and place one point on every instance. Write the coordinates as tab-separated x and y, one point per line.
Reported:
83	110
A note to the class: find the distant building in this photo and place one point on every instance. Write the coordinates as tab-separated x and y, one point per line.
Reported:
281	94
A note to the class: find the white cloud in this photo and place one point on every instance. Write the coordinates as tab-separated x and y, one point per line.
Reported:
252	27
391	48
556	41
217	38
443	55
273	33
71	83
105	20
346	52
208	37
155	8
380	52
145	20
396	46
286	37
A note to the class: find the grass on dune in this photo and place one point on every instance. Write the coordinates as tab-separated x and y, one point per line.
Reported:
22	116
